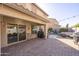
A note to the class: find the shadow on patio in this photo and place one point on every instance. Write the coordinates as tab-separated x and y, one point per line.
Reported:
40	47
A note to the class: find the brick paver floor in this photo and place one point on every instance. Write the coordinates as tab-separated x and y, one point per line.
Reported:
40	47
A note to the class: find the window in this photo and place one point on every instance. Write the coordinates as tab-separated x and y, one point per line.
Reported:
22	32
16	33
34	29
12	33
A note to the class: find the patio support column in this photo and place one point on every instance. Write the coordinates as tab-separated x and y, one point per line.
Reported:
46	31
3	31
0	31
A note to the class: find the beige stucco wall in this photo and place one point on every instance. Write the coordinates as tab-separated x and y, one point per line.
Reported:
0	26
14	13
3	34
53	23
9	20
40	13
33	8
16	17
26	5
46	30
0	34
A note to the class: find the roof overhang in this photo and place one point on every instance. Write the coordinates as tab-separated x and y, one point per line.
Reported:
26	11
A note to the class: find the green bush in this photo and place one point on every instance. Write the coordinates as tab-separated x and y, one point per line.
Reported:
63	30
76	25
50	30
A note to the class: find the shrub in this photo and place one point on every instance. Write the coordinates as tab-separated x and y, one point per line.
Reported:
50	30
63	30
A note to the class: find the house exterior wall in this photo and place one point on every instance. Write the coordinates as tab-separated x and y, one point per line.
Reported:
0	33
8	20
32	7
26	5
53	23
14	16
14	13
38	11
0	30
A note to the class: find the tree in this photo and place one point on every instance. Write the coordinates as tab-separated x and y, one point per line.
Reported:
67	26
50	30
63	30
76	25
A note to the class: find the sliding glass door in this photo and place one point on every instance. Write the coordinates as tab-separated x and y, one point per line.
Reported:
16	33
12	33
22	32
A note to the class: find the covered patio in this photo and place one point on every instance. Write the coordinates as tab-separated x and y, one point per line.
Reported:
17	24
40	47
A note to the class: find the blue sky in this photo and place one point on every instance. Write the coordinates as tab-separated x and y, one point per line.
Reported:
62	11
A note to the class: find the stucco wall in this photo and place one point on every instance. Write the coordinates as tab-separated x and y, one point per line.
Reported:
14	13
0	31
33	8
3	34
7	20
53	23
26	5
38	11
17	18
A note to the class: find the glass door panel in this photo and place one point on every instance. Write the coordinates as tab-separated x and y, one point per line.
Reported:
22	32
12	33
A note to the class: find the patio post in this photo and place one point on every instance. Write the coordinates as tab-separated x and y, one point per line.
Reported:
45	31
0	31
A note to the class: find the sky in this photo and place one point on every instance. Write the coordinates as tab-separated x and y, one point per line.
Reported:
62	12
